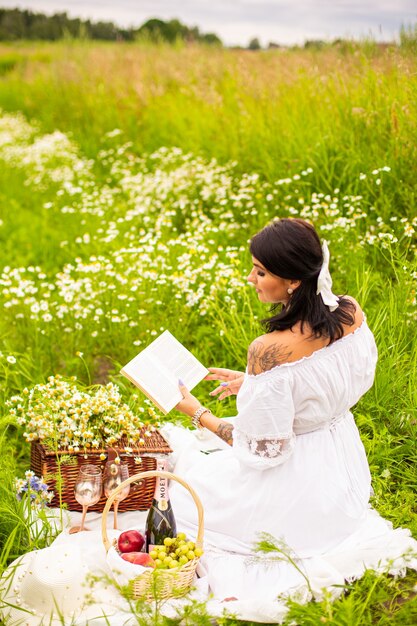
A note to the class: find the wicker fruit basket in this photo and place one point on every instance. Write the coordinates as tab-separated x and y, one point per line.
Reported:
153	583
44	463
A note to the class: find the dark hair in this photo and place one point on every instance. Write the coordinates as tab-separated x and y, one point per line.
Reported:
290	248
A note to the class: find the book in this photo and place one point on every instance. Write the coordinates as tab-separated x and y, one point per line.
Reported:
157	369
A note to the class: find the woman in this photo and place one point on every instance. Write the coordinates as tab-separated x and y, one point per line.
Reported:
291	463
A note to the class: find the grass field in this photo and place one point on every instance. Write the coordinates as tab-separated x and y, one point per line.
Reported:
131	179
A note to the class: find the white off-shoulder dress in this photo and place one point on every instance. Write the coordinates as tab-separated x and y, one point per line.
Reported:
298	471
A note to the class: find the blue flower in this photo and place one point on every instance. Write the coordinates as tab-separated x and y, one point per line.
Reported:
33	487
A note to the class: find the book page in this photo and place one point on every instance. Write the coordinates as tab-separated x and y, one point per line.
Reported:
157	369
154	380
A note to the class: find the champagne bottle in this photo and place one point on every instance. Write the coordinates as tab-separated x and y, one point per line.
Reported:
160	522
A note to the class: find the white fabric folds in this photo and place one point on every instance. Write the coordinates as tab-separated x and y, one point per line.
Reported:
263	434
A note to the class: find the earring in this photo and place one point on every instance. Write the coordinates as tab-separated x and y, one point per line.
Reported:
290	291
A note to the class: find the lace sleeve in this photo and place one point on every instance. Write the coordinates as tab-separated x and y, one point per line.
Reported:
263	451
263	434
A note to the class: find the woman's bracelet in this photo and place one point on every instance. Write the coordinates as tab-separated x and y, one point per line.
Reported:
195	419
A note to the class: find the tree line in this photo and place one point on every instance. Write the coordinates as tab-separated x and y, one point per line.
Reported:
23	24
18	24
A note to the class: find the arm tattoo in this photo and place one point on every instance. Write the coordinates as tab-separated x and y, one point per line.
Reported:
262	358
224	431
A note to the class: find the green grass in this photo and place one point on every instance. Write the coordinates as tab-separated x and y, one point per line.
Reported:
340	113
106	239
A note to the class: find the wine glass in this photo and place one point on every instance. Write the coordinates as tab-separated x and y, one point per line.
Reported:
87	491
114	475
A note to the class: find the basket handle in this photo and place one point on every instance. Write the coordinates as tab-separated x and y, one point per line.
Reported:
152	474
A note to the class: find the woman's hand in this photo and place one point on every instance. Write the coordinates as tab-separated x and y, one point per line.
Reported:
189	404
232	381
221	373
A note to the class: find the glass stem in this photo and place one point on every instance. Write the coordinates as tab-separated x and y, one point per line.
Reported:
115	507
83	516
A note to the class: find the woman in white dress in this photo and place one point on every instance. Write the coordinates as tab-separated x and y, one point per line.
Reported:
291	463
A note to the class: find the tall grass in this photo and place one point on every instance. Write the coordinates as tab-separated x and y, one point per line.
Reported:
340	113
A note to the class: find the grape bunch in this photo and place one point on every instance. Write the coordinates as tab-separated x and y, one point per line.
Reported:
175	552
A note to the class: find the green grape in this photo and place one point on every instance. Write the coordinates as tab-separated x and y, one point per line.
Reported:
175	552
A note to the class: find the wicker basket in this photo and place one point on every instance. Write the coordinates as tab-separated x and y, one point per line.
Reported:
44	463
154	583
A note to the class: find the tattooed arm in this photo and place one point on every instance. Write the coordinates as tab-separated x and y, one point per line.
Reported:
219	427
263	357
224	431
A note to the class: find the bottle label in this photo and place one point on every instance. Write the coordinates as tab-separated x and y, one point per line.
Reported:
162	504
161	491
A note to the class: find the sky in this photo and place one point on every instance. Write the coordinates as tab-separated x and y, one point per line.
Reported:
236	22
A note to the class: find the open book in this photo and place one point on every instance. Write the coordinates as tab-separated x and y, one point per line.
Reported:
157	369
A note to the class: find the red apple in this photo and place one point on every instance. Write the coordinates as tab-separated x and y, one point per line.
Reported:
131	541
139	558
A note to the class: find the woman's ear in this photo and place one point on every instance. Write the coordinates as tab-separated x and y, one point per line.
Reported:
295	284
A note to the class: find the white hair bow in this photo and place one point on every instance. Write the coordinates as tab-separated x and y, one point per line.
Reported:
324	281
